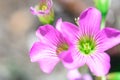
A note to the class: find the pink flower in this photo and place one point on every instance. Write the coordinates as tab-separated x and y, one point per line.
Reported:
51	48
43	8
44	11
90	43
75	75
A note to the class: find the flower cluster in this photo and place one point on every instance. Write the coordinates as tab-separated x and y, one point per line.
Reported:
73	45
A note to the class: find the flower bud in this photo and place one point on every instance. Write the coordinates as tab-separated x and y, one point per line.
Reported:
44	11
103	6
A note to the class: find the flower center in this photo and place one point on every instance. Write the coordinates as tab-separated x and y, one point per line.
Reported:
61	47
43	7
86	44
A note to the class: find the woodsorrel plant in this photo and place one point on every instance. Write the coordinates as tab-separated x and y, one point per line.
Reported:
75	46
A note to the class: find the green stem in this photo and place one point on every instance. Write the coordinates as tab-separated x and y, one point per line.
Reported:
103	23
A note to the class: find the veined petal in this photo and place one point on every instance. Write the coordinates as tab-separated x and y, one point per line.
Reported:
48	34
66	28
74	75
78	60
54	37
66	56
43	30
112	38
47	64
40	51
99	63
90	19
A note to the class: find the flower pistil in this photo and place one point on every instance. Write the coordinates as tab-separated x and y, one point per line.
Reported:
86	44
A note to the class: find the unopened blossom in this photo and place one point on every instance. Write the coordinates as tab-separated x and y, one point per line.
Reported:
51	48
90	42
103	6
44	11
76	75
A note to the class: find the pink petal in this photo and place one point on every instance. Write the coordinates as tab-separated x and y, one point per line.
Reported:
59	24
111	39
87	77
54	37
90	19
49	3
66	28
99	63
47	64
33	10
40	51
74	75
78	60
49	34
66	56
43	30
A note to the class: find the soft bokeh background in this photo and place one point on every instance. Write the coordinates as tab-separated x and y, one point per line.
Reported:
17	34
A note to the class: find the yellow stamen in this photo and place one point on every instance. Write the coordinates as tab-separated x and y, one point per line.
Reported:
61	48
44	7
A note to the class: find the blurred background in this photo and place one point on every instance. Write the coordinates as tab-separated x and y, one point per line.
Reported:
17	34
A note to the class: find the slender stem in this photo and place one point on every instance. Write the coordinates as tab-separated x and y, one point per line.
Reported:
103	23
